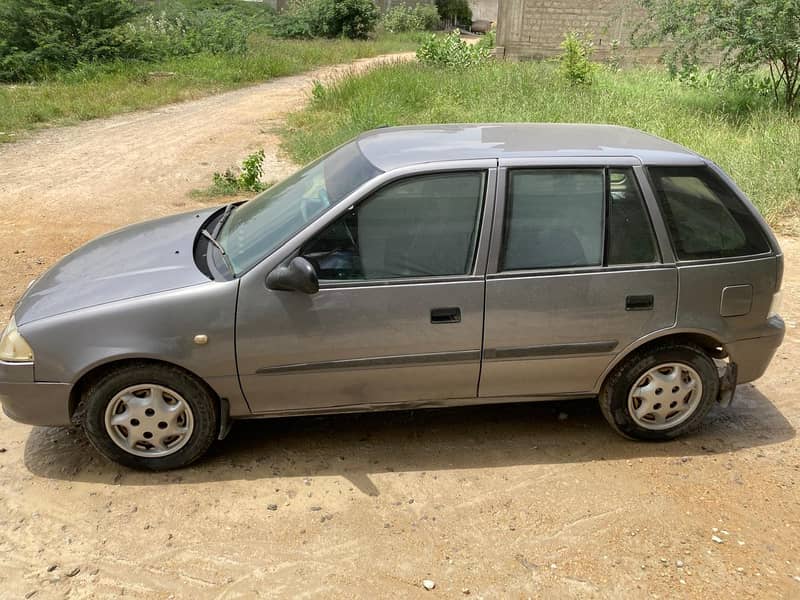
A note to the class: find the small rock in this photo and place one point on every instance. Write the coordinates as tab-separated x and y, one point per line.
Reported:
2	450
679	564
315	508
30	594
465	591
74	572
562	416
739	570
272	507
52	568
796	578
411	501
716	539
685	459
553	566
428	584
663	560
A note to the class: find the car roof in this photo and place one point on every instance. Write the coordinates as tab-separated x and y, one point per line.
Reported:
391	148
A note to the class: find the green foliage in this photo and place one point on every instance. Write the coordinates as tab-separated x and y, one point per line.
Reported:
748	33
38	37
455	12
237	181
401	18
354	19
155	37
451	51
576	58
737	128
488	40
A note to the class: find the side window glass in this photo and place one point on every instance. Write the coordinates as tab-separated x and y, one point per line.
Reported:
704	216
554	218
630	234
418	227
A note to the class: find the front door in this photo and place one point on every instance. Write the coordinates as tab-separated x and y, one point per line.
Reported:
575	278
399	315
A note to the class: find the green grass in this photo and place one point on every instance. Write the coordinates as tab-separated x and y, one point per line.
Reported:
756	143
92	91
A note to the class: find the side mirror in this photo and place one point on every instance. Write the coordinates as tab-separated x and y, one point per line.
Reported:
298	276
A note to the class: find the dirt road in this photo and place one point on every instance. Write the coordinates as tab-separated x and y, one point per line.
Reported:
539	501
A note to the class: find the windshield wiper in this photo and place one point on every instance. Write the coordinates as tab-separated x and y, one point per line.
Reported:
223	218
219	247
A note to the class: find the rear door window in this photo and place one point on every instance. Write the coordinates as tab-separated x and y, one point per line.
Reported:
704	216
554	219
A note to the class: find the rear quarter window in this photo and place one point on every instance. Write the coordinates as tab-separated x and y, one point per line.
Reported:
705	218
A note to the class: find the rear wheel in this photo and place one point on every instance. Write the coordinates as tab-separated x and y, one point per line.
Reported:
149	416
661	392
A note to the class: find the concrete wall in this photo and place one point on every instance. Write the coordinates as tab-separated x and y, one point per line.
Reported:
535	28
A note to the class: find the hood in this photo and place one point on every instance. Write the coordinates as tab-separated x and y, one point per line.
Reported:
146	258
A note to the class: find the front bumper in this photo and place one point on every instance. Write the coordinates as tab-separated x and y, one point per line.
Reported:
752	356
30	402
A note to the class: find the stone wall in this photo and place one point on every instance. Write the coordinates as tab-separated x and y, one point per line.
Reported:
535	28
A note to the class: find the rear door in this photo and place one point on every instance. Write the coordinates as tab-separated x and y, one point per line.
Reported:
576	274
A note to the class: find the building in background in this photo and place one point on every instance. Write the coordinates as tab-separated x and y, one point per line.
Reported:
484	10
536	28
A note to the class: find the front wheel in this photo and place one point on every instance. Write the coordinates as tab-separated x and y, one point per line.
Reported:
661	392
147	416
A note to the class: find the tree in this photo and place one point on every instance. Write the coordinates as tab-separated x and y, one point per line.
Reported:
37	36
749	33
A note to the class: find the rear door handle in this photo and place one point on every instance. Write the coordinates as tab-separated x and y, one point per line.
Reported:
440	316
639	302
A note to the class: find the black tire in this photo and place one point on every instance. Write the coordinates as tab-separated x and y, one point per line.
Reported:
101	392
614	395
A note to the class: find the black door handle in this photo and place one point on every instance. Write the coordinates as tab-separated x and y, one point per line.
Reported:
445	315
639	302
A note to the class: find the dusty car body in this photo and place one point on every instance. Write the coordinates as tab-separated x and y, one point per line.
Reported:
411	267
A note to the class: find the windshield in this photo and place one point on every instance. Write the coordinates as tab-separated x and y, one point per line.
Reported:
260	226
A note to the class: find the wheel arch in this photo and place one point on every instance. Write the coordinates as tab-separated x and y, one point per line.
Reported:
98	371
706	340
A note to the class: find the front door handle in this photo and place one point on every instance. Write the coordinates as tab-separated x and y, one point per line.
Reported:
440	316
639	302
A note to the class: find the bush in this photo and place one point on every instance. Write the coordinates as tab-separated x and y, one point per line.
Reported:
451	51
750	33
354	19
182	34
38	37
576	55
489	39
455	12
402	18
237	180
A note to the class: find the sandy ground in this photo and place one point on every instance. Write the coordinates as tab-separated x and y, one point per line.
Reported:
538	500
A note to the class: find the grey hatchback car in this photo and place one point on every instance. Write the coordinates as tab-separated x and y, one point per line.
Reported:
411	267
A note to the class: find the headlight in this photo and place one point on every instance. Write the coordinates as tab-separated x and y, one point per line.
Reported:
775	306
13	347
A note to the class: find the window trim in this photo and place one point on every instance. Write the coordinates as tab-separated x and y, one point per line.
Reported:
648	215
489	180
733	189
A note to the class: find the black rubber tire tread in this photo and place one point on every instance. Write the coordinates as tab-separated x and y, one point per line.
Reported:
614	394
204	410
